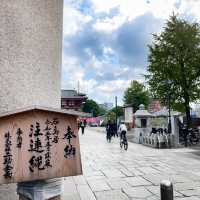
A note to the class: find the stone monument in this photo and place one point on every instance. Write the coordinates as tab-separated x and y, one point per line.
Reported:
30	61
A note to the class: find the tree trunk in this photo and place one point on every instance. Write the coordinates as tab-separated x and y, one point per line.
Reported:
187	110
188	118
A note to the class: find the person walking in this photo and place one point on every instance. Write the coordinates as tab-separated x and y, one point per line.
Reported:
78	124
82	125
85	122
109	131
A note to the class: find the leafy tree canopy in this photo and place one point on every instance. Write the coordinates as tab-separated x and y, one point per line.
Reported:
111	115
102	111
90	106
174	64
120	111
136	94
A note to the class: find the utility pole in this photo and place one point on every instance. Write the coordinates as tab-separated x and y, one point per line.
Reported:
116	113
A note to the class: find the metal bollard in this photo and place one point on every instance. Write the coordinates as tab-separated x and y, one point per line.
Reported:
166	190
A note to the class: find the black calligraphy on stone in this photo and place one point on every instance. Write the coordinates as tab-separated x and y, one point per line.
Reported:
36	162
48	144
69	150
69	134
54	129
35	140
8	156
36	146
19	138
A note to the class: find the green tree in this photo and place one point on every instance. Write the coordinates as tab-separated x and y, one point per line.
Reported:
90	106
111	116
120	111
136	94
174	64
102	110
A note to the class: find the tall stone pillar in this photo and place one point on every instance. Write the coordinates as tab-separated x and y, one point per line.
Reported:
30	53
30	61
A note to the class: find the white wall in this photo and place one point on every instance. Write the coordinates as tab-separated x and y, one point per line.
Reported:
128	112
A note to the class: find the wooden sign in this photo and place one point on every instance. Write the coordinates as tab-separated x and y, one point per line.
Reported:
38	143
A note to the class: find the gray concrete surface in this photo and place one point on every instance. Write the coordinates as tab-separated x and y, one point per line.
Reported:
111	173
30	53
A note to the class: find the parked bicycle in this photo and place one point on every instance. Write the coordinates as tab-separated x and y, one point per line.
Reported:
190	137
193	136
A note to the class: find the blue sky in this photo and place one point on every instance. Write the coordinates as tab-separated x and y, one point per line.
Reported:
105	42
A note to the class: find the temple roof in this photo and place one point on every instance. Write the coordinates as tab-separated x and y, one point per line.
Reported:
142	112
72	94
47	109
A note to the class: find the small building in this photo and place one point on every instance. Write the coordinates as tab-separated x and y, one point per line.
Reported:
142	117
142	124
154	106
71	99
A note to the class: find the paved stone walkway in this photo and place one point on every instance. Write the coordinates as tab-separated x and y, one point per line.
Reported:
110	173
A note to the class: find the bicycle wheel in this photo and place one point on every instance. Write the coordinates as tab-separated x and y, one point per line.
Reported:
125	146
121	144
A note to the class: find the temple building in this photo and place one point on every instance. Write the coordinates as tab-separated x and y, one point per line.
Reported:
71	99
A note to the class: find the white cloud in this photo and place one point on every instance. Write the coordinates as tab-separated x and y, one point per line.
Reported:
105	5
191	7
97	72
107	91
72	72
108	25
73	20
130	9
162	8
133	8
113	86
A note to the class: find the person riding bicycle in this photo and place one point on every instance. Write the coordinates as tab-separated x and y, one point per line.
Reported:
122	130
123	139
